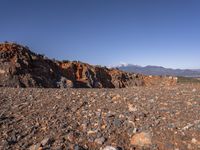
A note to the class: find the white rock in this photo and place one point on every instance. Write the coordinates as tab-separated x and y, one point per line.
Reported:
189	125
194	141
194	90
45	141
109	148
2	71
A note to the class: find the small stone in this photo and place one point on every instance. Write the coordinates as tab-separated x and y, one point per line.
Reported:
189	146
151	100
141	139
99	134
58	97
198	126
131	108
132	131
70	137
109	148
35	147
46	141
100	141
77	147
194	90
189	125
116	97
194	141
117	122
92	132
103	126
84	127
91	139
119	148
2	71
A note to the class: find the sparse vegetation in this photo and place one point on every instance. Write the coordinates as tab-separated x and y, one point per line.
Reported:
188	80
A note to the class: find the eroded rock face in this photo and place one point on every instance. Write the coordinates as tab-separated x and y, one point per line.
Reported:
19	67
85	75
22	68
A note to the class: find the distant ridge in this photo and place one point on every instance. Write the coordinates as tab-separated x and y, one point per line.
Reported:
158	70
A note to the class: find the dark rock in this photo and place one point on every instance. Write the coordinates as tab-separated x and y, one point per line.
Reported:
77	147
117	122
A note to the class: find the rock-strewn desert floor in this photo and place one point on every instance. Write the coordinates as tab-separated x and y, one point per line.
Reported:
150	118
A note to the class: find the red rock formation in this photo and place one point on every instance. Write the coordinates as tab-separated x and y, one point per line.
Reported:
19	67
23	68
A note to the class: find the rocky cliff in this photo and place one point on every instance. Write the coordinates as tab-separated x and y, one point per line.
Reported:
85	75
19	67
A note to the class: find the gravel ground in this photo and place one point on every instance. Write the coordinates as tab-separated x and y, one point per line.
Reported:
146	118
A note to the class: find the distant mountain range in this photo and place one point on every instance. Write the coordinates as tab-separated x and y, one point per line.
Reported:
158	70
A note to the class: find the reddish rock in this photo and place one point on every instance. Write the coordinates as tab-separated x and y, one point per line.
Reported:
23	68
19	67
141	139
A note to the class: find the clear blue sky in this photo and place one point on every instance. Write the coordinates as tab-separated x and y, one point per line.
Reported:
107	32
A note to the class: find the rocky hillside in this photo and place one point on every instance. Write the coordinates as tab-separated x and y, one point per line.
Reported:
19	67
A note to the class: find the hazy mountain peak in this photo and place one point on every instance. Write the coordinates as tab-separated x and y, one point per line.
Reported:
159	70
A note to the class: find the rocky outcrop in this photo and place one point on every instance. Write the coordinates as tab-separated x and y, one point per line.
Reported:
19	67
22	68
85	75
